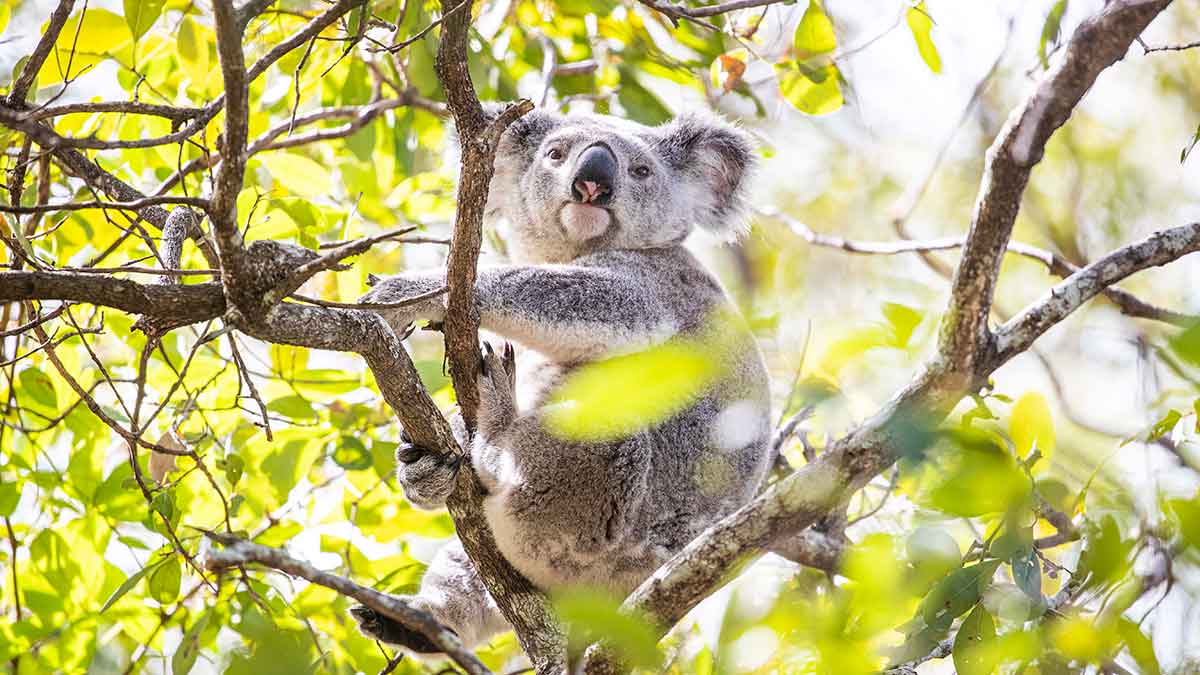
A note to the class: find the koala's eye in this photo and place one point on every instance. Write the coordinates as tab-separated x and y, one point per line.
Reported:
555	154
641	171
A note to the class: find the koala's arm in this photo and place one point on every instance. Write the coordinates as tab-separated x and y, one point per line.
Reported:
566	312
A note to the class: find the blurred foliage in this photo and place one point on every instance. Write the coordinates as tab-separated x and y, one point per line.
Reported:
956	552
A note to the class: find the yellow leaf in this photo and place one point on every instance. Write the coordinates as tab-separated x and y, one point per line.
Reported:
1032	424
299	174
922	26
101	35
815	91
814	34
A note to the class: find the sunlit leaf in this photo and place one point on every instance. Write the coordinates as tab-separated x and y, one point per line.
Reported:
189	648
38	385
351	454
814	33
1032	425
921	25
140	15
815	91
164	581
617	397
593	615
129	583
299	174
296	407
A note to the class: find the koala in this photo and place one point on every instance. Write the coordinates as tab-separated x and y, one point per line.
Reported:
597	209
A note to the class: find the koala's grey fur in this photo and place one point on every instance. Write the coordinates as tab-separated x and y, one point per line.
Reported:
609	513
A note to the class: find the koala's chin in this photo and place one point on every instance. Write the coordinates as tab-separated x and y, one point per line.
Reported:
584	221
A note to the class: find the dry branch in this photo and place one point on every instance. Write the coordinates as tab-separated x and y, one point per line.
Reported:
237	552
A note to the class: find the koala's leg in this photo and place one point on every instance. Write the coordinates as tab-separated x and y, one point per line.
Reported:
453	593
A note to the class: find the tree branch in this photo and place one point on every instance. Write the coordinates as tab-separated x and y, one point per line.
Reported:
237	552
964	351
29	73
1097	43
1128	303
1159	248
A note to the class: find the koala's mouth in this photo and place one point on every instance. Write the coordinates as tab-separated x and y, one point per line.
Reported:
581	222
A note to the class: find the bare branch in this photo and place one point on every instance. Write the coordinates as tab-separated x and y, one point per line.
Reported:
29	73
1159	248
1097	43
1128	303
174	113
237	552
134	205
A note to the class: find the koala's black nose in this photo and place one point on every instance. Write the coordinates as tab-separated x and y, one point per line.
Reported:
595	174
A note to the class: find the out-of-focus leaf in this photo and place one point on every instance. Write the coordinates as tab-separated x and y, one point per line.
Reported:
815	91
129	583
1050	30
299	174
1187	149
617	397
192	47
234	466
189	648
1031	424
1079	638
352	455
933	554
10	495
592	615
140	15
639	102
1106	554
1164	426
295	407
1027	572
728	68
921	25
967	459
1187	344
957	593
164	581
903	320
814	34
969	652
163	463
1139	646
1187	512
37	384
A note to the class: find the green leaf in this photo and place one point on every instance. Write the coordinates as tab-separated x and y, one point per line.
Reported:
164	503
295	407
140	15
10	495
1187	344
1139	646
1050	30
976	630
815	91
38	385
903	321
957	593
164	581
1187	512
1187	149
5	15
234	466
130	583
1164	426
352	455
592	615
1031	425
639	102
189	648
814	34
921	25
1106	554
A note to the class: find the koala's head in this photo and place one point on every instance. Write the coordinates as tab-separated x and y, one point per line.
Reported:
569	185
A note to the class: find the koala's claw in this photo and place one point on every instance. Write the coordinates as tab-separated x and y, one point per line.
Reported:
379	627
497	388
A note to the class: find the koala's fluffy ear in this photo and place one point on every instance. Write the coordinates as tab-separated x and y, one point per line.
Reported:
517	149
716	158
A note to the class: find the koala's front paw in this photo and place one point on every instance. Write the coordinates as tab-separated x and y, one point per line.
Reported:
398	301
497	389
426	476
379	627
